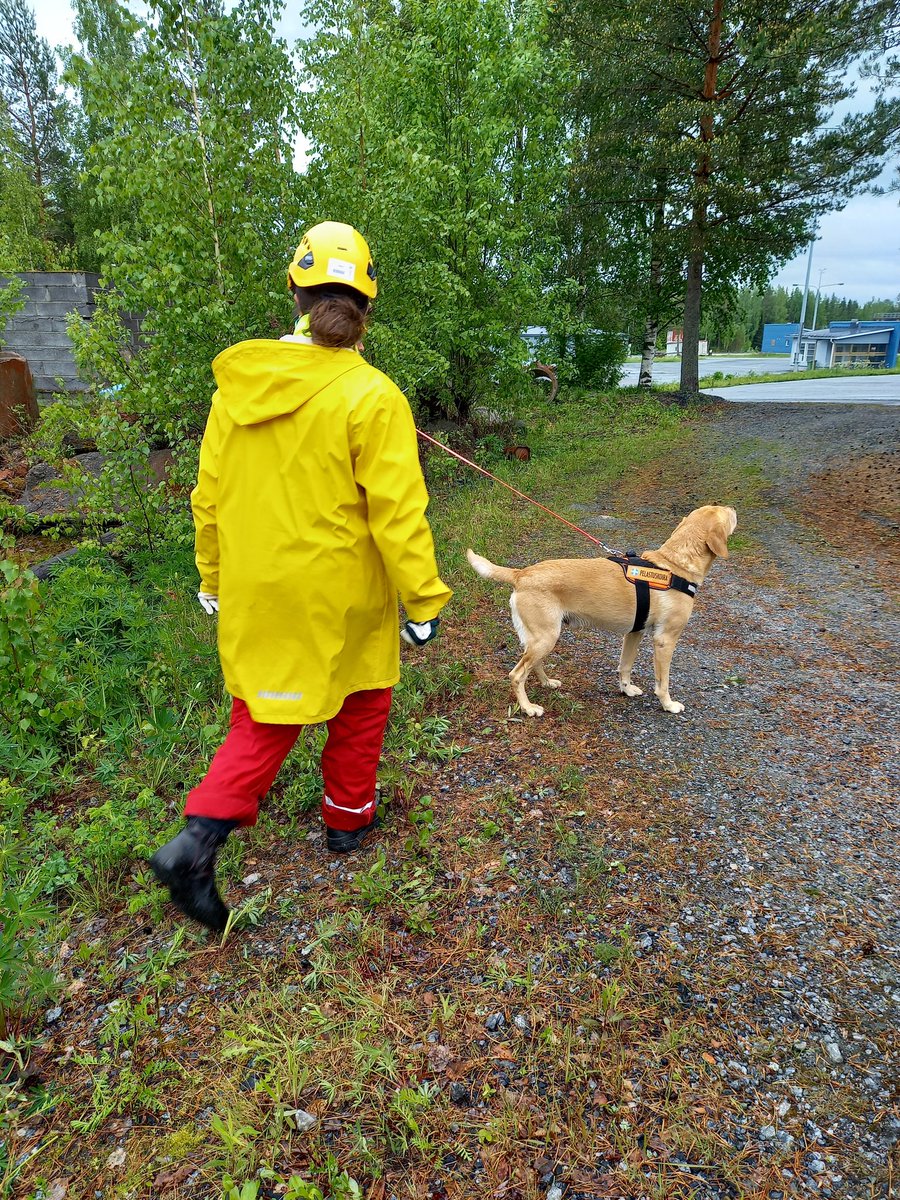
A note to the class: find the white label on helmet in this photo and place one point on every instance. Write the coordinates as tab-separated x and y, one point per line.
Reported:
339	268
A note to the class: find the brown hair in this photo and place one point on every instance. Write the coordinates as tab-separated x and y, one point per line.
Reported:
337	315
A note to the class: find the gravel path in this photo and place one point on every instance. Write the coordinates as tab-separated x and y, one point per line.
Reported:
772	844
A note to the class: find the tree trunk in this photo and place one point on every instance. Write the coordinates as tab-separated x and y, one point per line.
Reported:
204	161
690	347
648	351
654	287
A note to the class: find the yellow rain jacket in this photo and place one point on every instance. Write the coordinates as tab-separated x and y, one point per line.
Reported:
309	512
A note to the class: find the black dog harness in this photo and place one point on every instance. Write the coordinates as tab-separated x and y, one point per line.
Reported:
646	575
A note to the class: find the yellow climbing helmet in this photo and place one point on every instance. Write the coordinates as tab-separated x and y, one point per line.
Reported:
331	252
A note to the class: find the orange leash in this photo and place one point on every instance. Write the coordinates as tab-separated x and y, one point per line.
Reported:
516	492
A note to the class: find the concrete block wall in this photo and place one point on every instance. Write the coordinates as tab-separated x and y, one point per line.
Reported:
38	330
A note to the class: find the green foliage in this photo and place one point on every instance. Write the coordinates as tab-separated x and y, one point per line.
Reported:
590	359
408	892
26	980
422	819
94	670
11	298
340	1186
193	111
21	247
437	129
126	1075
708	139
35	702
35	158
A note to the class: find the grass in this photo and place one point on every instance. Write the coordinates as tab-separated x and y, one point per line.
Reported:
464	1010
717	379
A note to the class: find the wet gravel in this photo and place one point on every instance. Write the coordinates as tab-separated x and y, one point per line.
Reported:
773	845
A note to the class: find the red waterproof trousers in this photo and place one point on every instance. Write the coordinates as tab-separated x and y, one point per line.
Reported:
245	765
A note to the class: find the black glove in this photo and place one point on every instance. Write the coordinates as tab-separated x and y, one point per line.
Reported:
418	633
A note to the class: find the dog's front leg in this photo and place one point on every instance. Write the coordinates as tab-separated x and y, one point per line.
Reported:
663	648
630	644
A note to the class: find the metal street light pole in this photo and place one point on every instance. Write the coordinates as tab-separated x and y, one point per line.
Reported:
818	289
798	357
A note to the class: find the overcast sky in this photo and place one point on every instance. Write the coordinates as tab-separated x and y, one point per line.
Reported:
857	254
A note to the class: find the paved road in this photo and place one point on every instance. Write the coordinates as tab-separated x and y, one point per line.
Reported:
861	389
670	372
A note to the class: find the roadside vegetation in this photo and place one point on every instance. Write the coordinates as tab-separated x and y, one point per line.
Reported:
572	168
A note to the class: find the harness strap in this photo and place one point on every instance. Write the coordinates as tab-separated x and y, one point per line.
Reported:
642	604
645	575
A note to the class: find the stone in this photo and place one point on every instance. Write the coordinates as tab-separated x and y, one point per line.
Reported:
304	1120
18	401
45	493
73	444
459	1094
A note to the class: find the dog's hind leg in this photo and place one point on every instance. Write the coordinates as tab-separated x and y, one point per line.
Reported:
630	644
542	676
538	633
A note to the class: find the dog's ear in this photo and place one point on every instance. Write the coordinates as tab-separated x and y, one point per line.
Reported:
717	543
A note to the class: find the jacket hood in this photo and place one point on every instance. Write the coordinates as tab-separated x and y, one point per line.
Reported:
259	379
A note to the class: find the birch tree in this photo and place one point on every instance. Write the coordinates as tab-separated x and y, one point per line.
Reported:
193	113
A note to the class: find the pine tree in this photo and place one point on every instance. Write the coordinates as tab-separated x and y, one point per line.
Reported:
732	99
32	127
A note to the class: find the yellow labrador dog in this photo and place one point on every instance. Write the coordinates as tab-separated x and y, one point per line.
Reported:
596	592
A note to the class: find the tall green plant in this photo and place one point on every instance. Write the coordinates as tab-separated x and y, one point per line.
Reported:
26	979
194	114
436	128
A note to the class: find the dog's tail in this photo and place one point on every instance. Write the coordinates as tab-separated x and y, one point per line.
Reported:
488	570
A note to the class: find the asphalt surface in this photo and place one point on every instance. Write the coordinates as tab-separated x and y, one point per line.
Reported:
860	389
670	372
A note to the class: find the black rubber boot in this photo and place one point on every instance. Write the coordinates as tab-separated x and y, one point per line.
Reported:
342	841
186	866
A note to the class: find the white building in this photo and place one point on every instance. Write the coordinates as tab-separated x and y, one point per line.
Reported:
675	339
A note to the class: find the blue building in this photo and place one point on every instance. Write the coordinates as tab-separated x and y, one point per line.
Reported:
851	344
776	339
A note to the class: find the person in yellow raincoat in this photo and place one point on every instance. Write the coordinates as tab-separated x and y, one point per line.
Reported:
309	513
